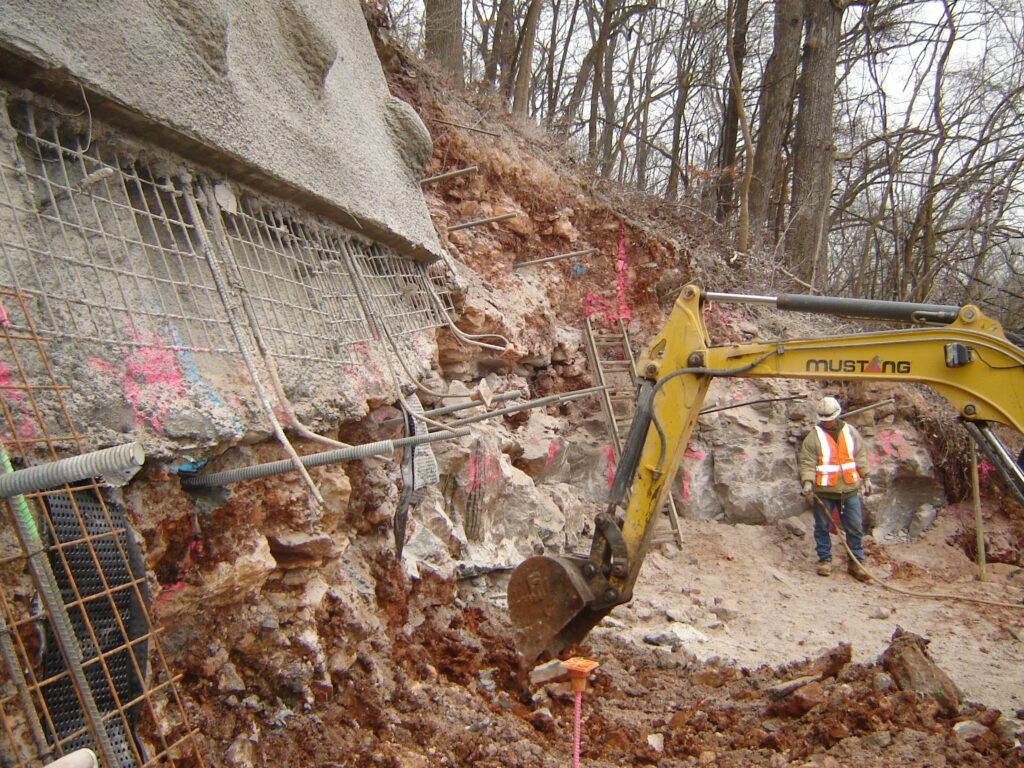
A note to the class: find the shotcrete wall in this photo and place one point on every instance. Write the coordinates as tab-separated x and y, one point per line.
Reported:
287	95
185	182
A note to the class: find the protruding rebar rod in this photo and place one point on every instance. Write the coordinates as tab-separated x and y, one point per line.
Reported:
449	175
481	222
550	399
459	125
584	252
352	453
515	393
109	461
899	311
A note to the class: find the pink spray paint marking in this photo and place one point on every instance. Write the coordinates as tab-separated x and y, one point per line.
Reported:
150	380
619	309
19	407
689	455
611	466
552	450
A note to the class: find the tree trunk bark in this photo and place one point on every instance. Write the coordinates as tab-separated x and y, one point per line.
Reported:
730	128
807	240
774	107
443	36
521	95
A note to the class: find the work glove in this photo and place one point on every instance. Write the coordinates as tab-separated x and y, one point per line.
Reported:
868	488
808	488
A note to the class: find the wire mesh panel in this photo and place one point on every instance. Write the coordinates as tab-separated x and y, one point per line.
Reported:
101	241
82	665
402	293
294	275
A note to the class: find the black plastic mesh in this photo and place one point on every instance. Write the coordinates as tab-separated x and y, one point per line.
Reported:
106	526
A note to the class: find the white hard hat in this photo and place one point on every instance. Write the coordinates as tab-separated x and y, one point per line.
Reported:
829	409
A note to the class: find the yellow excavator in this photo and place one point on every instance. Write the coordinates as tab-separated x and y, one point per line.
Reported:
555	600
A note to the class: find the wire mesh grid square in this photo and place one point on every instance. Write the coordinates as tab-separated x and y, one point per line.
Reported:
294	274
403	294
101	242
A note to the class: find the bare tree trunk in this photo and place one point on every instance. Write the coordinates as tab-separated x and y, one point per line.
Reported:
521	95
730	129
806	242
443	36
503	48
774	106
735	78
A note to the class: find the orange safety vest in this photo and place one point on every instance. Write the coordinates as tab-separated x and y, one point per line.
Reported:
834	459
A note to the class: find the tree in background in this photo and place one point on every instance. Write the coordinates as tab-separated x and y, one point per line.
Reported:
886	152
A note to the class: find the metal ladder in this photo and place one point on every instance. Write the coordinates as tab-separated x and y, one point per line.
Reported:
613	367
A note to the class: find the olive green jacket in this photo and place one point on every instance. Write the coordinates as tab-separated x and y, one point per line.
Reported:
809	452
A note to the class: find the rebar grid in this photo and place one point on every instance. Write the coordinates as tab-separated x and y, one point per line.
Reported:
403	294
295	276
84	538
101	242
105	244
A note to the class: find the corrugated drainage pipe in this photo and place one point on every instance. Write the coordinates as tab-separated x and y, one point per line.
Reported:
118	460
353	453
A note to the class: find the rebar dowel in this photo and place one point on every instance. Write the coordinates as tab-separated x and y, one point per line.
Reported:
585	252
871	407
457	407
49	594
459	125
449	175
243	344
120	458
577	724
542	401
979	526
481	222
353	453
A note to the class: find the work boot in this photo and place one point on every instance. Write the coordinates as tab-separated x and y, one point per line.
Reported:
824	567
857	570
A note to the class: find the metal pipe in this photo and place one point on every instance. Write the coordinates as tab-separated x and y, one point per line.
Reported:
563	398
899	311
449	175
352	453
109	461
585	252
480	222
457	407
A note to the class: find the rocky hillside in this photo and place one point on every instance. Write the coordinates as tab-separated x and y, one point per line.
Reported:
328	650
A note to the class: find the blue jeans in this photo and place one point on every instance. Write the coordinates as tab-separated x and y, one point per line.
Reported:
850	515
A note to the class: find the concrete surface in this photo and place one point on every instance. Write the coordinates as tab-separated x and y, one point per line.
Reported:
286	95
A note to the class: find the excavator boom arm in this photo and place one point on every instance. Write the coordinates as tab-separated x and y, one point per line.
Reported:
555	601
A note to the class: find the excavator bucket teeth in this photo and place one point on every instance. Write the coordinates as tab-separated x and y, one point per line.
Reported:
549	604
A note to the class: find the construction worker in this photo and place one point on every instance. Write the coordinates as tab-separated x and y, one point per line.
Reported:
833	473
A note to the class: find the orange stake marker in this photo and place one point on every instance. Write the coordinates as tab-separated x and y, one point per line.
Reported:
579	670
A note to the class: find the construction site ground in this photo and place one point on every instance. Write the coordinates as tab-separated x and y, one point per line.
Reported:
790	675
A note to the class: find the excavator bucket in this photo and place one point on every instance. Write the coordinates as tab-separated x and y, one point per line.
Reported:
551	605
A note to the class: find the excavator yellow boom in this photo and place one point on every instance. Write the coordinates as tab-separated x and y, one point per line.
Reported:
555	600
